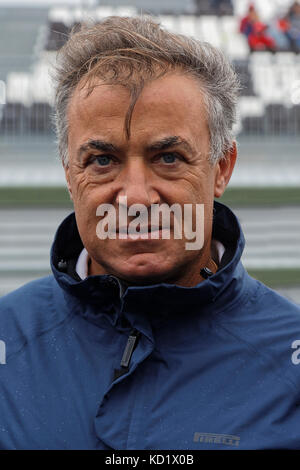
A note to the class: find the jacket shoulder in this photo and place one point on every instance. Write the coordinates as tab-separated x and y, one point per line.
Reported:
31	292
273	301
268	325
29	311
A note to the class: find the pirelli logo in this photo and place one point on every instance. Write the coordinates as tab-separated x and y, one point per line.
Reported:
210	438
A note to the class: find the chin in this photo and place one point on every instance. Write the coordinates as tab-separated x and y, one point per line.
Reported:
139	277
147	274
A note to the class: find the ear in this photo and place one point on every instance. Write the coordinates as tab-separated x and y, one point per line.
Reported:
68	179
224	169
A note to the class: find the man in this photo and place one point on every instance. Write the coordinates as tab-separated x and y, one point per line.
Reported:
139	340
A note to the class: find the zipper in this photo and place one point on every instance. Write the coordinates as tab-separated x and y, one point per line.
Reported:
127	354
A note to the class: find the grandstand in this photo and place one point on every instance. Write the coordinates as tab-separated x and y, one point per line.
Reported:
270	97
19	37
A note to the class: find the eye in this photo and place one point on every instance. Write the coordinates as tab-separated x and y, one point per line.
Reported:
170	158
103	160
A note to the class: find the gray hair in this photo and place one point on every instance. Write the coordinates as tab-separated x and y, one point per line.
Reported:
131	51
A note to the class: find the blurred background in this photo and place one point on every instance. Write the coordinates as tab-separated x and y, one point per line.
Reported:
262	40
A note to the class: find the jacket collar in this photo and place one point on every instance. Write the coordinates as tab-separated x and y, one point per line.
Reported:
103	291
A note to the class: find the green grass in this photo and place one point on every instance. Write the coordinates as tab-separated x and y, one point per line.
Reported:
59	197
244	197
277	277
35	197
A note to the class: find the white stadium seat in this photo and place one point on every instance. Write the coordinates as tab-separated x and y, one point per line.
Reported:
61	15
18	88
187	25
240	7
229	25
210	30
125	11
251	106
2	94
41	85
81	15
286	58
103	12
237	47
169	22
261	58
233	43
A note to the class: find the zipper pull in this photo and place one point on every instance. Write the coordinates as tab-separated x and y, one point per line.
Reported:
128	351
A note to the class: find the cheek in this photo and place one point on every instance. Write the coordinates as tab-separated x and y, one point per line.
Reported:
199	189
83	188
86	226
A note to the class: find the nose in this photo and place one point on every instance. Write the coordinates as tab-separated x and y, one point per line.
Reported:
137	184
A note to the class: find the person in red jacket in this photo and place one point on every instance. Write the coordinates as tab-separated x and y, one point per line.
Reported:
256	31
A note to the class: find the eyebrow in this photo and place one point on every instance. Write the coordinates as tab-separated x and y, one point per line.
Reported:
163	144
96	145
168	142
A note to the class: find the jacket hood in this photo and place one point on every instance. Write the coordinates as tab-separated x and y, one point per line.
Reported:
103	291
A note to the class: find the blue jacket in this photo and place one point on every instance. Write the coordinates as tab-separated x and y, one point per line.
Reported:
157	367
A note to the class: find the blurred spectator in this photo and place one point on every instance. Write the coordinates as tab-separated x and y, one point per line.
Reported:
246	26
277	31
256	32
290	25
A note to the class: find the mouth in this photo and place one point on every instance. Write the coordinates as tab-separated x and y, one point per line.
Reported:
146	233
142	230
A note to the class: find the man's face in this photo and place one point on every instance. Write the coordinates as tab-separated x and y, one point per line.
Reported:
165	160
